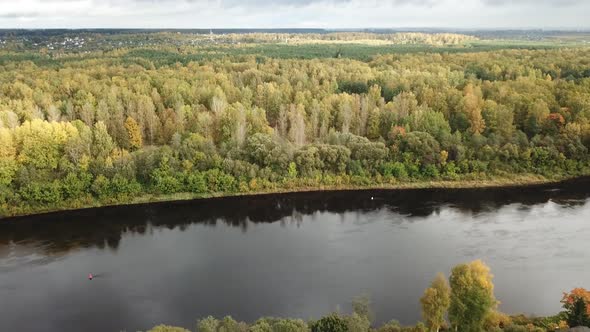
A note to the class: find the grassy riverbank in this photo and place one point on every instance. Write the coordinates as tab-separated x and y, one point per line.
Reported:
290	186
466	298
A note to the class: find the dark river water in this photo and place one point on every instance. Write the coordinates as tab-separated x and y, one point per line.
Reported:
298	255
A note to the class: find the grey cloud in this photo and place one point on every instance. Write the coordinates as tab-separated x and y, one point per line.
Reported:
294	13
19	15
247	3
553	3
309	2
292	3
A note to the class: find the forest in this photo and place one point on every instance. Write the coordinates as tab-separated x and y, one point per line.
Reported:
143	123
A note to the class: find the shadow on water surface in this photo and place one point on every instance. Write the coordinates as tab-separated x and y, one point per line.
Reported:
60	232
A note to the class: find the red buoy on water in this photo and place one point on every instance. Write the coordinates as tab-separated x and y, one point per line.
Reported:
90	276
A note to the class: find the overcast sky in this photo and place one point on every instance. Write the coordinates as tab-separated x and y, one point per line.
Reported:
294	13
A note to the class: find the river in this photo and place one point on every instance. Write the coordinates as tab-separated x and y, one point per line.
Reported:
298	255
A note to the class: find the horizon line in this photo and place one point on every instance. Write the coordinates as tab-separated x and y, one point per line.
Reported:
351	29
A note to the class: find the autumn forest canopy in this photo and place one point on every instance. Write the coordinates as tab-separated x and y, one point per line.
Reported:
105	119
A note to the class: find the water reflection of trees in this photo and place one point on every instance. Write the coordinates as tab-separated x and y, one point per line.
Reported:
104	228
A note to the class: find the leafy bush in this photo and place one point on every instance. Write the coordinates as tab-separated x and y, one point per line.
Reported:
196	183
166	328
331	323
42	193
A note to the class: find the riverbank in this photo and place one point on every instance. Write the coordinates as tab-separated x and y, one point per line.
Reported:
359	322
292	186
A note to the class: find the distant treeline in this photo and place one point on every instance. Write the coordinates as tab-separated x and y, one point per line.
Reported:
57	42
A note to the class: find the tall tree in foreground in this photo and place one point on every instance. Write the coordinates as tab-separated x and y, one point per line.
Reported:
472	296
577	305
435	302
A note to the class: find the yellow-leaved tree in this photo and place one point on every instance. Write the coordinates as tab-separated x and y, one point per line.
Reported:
7	157
133	134
472	296
435	302
472	104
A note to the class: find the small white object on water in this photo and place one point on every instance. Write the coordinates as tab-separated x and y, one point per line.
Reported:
371	197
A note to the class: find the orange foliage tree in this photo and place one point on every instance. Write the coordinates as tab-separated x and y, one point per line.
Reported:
577	304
